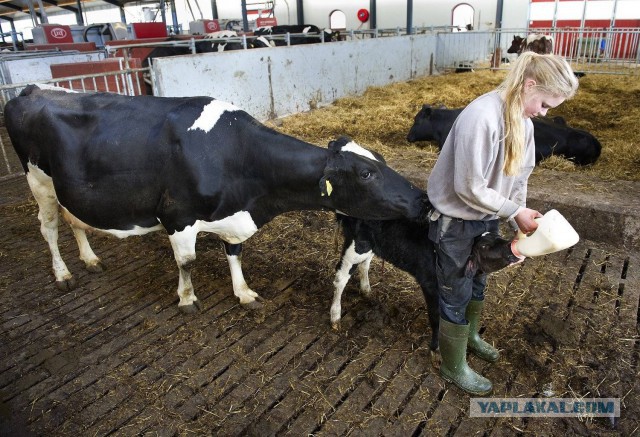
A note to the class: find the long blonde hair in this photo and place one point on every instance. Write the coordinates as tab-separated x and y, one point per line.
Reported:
553	76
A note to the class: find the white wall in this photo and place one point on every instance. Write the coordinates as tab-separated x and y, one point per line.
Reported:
515	14
276	82
390	13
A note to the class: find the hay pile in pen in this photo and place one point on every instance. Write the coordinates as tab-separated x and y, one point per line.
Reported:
608	106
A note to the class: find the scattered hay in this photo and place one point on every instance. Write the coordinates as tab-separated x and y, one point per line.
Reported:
608	106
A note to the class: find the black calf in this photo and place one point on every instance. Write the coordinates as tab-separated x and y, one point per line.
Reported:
406	245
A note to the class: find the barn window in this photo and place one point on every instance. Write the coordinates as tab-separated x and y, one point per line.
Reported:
462	18
337	20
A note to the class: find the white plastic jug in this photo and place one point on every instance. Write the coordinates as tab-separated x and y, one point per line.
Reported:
554	233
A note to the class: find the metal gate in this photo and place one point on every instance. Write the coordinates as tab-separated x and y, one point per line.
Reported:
602	51
127	81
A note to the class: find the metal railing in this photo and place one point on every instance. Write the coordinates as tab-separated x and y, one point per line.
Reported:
127	81
603	51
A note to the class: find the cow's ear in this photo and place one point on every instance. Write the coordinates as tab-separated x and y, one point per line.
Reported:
338	144
378	156
559	120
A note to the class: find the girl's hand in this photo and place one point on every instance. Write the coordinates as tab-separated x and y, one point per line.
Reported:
525	220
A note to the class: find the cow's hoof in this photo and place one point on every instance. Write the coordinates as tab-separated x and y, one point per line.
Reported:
336	325
96	268
192	308
254	304
67	284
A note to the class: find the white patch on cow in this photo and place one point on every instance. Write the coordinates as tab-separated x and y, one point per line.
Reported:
44	86
137	230
233	229
265	41
306	29
183	244
534	37
75	222
221	34
42	188
358	150
211	113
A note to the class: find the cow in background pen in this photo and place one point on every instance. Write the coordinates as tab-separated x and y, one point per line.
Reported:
541	44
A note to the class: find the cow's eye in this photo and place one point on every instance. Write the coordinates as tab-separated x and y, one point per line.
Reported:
365	174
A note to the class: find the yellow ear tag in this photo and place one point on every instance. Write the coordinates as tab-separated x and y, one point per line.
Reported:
329	188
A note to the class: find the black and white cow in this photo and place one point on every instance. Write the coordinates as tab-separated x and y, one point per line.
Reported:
132	165
405	244
300	34
552	135
211	43
541	44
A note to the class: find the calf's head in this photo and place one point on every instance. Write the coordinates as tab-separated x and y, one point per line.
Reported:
358	183
490	253
516	45
422	129
432	124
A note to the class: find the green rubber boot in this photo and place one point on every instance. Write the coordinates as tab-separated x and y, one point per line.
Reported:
478	346
454	368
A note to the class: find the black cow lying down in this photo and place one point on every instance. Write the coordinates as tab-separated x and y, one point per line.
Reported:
552	135
406	245
132	165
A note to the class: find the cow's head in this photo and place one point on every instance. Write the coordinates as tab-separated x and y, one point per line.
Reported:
490	253
358	183
516	45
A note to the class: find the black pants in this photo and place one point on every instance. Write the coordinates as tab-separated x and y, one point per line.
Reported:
454	240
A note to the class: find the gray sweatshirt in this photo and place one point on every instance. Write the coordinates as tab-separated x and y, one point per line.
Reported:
467	180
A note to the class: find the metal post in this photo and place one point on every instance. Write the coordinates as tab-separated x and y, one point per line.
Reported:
79	18
14	35
162	14
372	15
409	17
499	12
245	22
174	17
43	13
613	14
300	11
214	9
32	13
